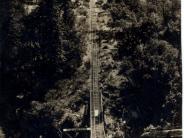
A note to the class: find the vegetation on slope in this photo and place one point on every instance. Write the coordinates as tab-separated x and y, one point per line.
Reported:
41	54
148	62
43	85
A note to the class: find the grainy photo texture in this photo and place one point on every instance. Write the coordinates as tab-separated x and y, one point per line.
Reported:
90	69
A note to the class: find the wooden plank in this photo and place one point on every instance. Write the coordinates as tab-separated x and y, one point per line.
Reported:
76	129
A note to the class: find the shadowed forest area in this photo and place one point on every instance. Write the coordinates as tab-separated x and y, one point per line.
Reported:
44	77
37	51
148	58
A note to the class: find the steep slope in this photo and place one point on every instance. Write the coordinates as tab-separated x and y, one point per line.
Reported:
141	73
47	75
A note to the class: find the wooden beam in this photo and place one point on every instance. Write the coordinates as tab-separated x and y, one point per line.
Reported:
173	133
76	129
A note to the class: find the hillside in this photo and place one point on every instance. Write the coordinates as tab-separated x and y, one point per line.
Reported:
45	67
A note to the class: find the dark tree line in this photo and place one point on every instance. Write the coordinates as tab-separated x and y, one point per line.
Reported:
41	50
149	50
38	50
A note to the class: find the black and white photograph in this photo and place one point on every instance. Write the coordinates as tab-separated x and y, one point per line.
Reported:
90	69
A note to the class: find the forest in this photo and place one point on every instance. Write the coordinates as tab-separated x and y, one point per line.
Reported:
149	61
44	77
